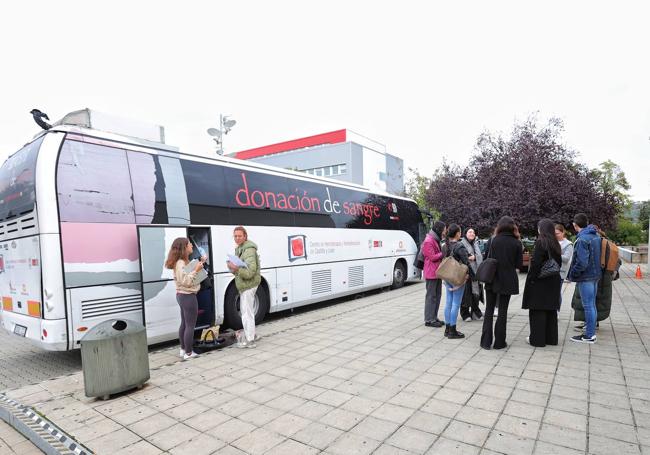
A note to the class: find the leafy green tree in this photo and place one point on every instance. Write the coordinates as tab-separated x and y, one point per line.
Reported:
644	214
628	233
613	184
416	188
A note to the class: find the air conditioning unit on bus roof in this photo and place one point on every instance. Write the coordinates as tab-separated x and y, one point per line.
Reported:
95	120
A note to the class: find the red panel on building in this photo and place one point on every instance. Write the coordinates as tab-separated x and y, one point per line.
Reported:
333	137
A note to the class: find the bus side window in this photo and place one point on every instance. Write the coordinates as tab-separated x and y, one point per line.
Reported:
93	184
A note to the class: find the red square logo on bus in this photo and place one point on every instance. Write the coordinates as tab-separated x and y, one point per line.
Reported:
297	247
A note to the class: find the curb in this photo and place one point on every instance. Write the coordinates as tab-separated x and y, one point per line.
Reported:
40	431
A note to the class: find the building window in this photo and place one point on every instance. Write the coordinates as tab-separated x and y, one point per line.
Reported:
326	171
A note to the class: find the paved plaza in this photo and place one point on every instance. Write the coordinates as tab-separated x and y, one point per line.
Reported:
367	377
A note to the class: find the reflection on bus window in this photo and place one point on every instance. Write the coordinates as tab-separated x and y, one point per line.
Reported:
17	191
93	184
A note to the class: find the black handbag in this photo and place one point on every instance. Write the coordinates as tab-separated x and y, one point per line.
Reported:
487	269
549	268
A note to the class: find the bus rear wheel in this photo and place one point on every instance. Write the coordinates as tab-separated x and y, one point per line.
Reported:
232	313
399	275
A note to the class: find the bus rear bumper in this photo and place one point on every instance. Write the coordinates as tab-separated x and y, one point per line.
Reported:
48	334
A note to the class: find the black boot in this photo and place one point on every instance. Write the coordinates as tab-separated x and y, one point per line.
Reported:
453	333
446	330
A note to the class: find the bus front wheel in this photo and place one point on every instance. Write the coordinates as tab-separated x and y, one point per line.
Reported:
399	275
232	313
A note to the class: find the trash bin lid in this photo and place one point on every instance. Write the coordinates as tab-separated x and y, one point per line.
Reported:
113	328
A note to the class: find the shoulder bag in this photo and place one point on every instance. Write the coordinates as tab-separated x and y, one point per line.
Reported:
487	269
451	270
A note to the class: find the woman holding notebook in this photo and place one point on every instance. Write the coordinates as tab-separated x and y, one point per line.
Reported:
187	285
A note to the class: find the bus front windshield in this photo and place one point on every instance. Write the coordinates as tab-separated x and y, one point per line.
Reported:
17	174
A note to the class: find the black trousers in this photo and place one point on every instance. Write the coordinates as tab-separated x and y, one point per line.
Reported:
543	327
470	304
491	301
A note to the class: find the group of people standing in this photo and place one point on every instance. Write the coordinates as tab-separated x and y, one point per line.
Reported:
247	279
554	260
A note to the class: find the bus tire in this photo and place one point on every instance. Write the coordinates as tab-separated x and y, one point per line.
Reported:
399	275
232	315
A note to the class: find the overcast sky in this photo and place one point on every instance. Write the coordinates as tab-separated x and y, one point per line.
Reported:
423	78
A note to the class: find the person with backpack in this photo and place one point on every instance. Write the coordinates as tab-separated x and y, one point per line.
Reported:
247	279
432	253
609	263
455	249
507	249
585	271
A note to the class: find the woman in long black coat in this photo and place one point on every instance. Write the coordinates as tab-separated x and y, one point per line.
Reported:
542	293
507	249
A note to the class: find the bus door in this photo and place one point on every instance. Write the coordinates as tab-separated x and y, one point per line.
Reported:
159	307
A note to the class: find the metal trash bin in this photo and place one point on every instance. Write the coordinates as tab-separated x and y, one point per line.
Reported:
114	358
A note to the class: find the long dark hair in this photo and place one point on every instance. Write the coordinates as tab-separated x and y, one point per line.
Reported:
547	238
176	252
438	228
506	224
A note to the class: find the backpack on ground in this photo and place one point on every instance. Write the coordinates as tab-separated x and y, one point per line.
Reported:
608	255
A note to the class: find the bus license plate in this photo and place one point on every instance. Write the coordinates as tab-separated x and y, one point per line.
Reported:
20	330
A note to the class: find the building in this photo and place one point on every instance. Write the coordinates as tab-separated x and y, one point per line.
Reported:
342	155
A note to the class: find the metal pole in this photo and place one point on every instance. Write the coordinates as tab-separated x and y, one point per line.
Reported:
222	134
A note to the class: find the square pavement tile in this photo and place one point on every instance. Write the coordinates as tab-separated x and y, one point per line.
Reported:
207	420
466	432
509	444
393	413
342	419
412	440
570	420
153	424
317	435
544	448
599	445
287	424
258	442
374	428
430	423
564	437
477	416
203	444
353	444
139	448
173	436
291	447
232	429
448	446
518	426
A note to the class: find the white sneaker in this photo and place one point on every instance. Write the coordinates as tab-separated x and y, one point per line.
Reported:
246	344
190	356
182	353
257	337
528	340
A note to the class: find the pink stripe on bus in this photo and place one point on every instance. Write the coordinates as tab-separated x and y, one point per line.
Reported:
99	242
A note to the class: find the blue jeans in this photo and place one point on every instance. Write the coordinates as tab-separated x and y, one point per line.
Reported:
587	290
453	303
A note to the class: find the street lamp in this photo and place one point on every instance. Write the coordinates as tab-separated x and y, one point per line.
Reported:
225	125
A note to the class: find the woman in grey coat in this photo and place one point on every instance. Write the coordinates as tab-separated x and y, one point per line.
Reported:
469	307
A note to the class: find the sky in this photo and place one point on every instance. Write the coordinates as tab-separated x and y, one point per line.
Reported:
425	78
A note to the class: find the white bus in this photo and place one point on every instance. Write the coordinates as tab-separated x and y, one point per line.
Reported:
87	217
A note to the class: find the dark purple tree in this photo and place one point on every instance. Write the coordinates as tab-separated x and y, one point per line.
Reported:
529	176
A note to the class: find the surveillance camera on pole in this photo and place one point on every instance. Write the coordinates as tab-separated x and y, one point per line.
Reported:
225	125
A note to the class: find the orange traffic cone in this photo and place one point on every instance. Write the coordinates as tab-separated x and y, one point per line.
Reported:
638	273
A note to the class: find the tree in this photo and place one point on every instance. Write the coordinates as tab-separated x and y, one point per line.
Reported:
628	233
529	175
613	184
416	188
644	214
